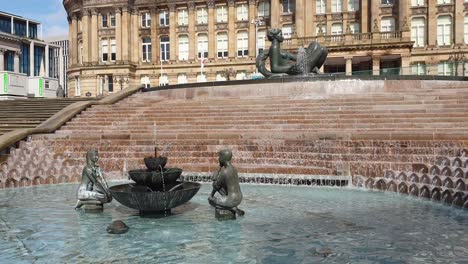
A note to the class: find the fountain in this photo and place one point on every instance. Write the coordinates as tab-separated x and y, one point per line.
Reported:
156	189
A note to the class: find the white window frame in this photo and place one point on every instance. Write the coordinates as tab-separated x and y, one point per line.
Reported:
353	5
242	12
290	6
202	15
165	48
261	40
321	7
441	2
145	20
242	44
163	80
182	78
112	21
418	31
77	86
445	68
355	27
444	31
146	50
337	6
263	9
418	68
105	50
113	50
288	31
222	45
222	14
387	24
418	2
465	27
202	46
184	47
104	21
164	18
182	15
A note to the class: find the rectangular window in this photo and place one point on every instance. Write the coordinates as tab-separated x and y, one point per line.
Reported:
444	30
183	47
146	48
104	21
466	29
289	6
32	30
163	80
182	78
111	83
337	6
105	50
39	53
9	62
5	25
337	29
445	68
165	49
418	31
387	24
20	28
354	27
183	17
242	12
439	2
261	39
221	14
417	2
202	46
222	45
146	20
264	9
287	31
25	59
353	5
202	16
242	44
112	20
113	50
164	18
418	68
77	86
321	7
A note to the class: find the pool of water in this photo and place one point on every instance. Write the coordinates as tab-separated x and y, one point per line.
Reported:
283	224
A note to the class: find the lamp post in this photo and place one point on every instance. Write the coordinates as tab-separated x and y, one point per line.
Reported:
121	81
257	22
457	57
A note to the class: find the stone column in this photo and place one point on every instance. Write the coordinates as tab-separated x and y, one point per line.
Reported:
172	31
432	22
31	58
135	43
364	8
154	36
349	65
85	34
310	8
275	13
125	34
459	20
211	29
17	61
118	33
73	26
300	17
405	63
232	29
191	31
2	59
376	65
329	18
46	59
252	35
94	46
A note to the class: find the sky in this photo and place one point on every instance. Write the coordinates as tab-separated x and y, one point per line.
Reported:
50	13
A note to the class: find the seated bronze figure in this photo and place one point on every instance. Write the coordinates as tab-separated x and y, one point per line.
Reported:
307	61
226	183
93	191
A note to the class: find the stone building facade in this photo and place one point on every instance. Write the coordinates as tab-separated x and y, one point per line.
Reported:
118	43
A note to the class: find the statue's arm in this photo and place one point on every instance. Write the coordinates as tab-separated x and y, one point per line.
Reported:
288	56
220	181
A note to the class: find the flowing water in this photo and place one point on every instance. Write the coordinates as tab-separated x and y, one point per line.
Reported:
283	224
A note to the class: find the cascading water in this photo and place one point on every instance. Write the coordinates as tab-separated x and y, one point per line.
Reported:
302	61
164	190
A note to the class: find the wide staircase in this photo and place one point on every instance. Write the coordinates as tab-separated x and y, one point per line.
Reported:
329	136
28	113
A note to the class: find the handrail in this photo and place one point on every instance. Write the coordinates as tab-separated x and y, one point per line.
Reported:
61	117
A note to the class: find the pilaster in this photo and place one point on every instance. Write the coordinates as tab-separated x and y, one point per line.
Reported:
232	26
300	15
2	59
459	20
252	35
191	29
73	26
118	33
31	58
310	23
85	35
275	13
154	36
432	22
349	65
172	31
94	37
125	34
364	9
46	59
376	65
17	61
211	29
135	43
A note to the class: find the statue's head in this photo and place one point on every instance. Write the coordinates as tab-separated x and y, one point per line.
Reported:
275	33
92	157
225	155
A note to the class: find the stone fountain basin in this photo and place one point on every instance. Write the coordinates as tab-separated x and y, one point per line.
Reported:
143	199
153	178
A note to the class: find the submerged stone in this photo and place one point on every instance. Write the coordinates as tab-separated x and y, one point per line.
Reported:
224	215
117	227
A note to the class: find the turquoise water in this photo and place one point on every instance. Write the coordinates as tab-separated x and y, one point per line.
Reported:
283	224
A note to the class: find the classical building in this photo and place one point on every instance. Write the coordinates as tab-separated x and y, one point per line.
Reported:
25	59
115	44
61	61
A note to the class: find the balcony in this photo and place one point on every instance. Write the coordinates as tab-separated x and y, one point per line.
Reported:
361	40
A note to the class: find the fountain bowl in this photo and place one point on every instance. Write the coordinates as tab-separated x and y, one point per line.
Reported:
143	199
153	178
154	163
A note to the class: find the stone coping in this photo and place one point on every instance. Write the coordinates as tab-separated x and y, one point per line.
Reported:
324	77
61	117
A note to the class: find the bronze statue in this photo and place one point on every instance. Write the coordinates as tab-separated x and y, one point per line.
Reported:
93	191
307	61
226	183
